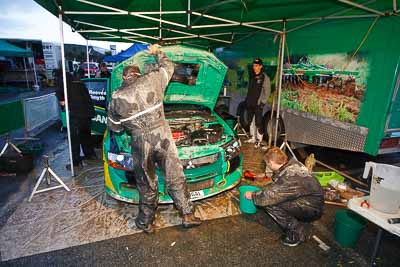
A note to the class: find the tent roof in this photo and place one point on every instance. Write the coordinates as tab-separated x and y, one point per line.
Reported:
9	50
206	22
133	49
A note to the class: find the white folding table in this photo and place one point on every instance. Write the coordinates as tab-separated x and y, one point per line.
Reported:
376	217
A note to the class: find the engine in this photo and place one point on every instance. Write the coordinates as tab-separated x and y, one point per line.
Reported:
198	130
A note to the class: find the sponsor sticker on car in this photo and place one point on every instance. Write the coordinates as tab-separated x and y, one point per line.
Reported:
196	194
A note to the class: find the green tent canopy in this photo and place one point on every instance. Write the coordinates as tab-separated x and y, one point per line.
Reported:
209	23
250	28
9	50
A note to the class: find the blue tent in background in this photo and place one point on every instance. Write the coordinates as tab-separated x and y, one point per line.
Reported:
127	53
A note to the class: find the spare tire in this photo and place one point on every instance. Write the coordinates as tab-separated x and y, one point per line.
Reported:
244	117
269	127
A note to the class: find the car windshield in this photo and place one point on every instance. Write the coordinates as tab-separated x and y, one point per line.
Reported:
186	73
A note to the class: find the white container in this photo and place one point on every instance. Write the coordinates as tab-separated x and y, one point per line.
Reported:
385	187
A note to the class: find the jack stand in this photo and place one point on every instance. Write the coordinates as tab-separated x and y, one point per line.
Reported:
8	143
285	144
238	127
48	172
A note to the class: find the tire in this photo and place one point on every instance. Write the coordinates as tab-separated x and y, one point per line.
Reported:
244	116
267	123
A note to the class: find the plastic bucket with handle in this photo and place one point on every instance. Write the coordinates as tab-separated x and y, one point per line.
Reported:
348	227
247	206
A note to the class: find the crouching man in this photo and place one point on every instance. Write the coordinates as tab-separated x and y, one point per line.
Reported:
294	197
137	107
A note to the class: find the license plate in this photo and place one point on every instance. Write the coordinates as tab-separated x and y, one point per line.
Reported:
196	194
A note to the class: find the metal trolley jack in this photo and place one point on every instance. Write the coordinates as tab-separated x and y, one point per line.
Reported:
48	173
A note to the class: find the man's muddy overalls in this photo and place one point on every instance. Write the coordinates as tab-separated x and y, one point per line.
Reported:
294	196
138	108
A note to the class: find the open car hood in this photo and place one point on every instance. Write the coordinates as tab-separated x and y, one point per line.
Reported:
197	79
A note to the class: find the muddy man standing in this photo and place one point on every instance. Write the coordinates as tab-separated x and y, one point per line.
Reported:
137	107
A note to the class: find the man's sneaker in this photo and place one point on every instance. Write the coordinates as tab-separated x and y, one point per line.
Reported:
257	144
132	224
190	220
292	239
250	141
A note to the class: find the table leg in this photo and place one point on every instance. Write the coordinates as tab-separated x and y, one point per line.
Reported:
376	246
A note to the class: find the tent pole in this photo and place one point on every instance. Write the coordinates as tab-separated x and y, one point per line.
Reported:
362	7
140	35
65	86
26	74
395	6
278	104
87	58
335	15
34	72
160	37
188	14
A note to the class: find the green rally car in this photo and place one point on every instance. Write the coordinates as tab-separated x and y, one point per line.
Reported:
208	148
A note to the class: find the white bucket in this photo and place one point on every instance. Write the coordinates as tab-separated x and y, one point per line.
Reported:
385	187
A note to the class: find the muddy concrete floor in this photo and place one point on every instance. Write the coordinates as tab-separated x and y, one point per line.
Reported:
87	227
59	219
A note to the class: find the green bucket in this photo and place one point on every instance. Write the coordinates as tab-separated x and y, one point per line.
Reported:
247	206
348	227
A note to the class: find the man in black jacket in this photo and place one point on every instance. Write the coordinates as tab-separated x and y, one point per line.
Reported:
81	112
257	96
295	196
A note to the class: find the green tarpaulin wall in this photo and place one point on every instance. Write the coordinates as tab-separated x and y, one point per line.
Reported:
381	49
11	116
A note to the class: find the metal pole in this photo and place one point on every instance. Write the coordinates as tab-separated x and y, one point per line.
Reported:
65	87
376	247
278	104
87	58
26	74
188	16
362	7
34	72
160	34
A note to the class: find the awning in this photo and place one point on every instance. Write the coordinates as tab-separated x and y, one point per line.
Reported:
208	23
9	50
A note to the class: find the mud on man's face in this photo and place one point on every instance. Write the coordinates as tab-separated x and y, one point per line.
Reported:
130	73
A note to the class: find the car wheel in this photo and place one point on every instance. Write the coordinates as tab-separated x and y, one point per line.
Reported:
244	116
269	127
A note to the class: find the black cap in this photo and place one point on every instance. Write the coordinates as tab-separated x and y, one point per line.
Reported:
257	61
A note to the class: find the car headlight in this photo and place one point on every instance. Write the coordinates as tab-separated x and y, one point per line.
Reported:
232	149
122	161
